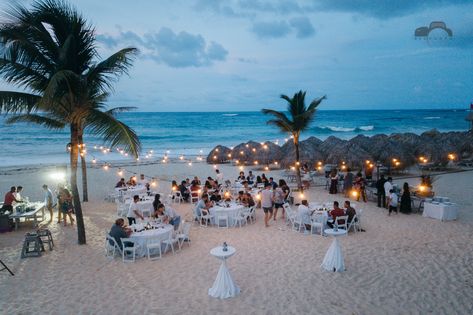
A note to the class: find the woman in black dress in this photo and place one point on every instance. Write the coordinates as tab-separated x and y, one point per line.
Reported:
333	182
406	200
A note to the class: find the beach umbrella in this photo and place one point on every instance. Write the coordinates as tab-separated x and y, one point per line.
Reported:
267	153
351	153
246	152
309	152
219	154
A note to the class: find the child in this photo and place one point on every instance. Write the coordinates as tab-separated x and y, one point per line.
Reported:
392	201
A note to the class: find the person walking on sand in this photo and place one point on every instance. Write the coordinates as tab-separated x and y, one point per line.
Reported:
267	203
48	201
392	201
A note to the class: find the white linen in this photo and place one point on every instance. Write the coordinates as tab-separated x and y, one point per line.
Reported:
162	233
333	260
223	287
231	212
441	211
142	206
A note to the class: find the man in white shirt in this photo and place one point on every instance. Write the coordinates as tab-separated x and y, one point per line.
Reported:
219	176
143	181
392	201
18	197
48	200
134	212
267	203
304	213
388	185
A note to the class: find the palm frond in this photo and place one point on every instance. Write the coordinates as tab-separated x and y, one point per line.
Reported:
284	127
315	103
36	119
14	102
113	132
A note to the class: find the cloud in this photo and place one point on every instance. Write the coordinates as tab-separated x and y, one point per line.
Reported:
385	8
303	27
275	29
177	50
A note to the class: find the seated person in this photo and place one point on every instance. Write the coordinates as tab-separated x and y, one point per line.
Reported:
118	231
241	197
304	214
194	189
143	181
349	210
188	182
197	180
131	181
246	186
156	202
168	216
249	201
184	191
121	183
203	206
250	178
241	177
336	212
215	196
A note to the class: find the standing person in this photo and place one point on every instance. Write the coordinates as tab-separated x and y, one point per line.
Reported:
360	187
267	203
273	183
156	202
388	185
380	191
66	205
287	191
48	200
348	182
9	200
219	176
392	201
333	182
278	197
406	205
134	212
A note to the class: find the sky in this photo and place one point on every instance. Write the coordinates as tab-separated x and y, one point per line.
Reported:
241	55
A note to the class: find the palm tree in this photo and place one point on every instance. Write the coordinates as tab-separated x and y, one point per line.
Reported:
300	119
48	53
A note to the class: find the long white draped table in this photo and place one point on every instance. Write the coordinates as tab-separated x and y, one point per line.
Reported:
333	260
231	211
224	287
129	192
32	213
443	211
161	233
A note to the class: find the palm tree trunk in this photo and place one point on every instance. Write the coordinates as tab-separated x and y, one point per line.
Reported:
85	194
75	190
298	164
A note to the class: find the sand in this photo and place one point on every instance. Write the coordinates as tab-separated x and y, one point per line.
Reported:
403	264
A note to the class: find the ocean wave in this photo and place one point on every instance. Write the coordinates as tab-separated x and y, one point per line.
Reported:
431	117
229	115
345	129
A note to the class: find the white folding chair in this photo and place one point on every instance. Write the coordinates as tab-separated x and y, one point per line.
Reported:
205	218
241	218
252	214
184	236
128	250
194	199
298	223
344	219
222	217
151	246
171	241
318	223
177	197
110	249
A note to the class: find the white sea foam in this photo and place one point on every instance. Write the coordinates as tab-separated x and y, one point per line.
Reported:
229	115
366	128
432	117
339	129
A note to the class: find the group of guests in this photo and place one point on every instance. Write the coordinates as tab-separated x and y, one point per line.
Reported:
64	198
388	198
351	183
305	213
273	198
167	215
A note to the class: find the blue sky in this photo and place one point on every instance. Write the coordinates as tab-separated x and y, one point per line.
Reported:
238	55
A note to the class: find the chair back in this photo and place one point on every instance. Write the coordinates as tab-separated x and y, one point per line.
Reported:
342	221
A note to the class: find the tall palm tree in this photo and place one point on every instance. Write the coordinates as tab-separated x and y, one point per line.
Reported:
48	52
299	120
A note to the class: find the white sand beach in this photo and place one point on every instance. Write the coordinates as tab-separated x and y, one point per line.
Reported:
402	264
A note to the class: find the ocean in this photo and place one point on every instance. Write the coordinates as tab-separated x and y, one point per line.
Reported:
193	134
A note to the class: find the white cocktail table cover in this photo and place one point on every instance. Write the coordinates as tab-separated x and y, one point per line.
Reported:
223	286
441	211
333	260
142	238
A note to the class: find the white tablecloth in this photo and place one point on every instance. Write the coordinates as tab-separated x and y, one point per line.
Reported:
441	211
131	191
224	286
333	260
142	238
231	212
31	214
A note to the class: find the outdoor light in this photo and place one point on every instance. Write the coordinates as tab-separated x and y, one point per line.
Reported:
256	162
105	167
275	162
190	163
120	172
58	176
266	168
368	162
216	150
241	152
181	157
241	168
451	156
94	161
354	193
215	157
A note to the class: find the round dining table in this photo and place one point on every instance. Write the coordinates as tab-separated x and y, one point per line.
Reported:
161	232
231	210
